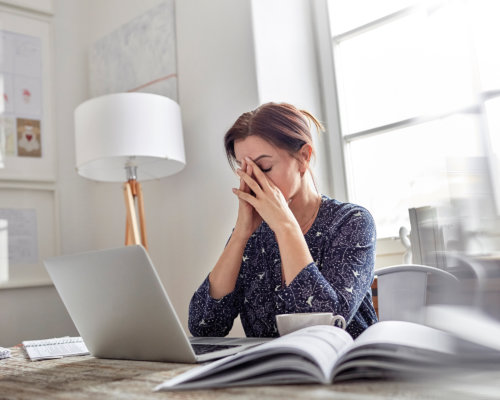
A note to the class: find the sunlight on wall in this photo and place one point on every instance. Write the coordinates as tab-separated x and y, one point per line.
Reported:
2	109
4	251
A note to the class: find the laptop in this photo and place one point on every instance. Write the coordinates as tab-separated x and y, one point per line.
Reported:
122	311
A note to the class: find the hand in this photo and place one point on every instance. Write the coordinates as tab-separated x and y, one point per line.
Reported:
266	199
248	218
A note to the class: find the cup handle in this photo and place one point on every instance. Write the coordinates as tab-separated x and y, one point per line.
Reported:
338	321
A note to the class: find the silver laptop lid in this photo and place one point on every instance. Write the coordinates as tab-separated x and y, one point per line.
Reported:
119	306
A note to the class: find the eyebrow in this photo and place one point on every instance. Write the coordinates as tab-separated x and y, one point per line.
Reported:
256	159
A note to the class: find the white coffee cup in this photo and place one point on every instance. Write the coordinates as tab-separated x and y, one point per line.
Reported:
291	322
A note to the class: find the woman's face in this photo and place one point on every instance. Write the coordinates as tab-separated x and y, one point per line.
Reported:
278	165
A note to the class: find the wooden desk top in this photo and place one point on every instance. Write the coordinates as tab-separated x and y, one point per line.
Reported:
90	378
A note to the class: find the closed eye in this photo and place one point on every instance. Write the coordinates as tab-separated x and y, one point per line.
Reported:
266	170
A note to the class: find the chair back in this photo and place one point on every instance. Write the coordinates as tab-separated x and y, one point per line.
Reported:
402	290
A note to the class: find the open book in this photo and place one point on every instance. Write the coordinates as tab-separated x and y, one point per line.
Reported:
326	354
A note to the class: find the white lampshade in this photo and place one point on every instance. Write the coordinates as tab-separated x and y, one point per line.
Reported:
128	129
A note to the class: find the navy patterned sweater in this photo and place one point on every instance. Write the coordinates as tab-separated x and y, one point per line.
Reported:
342	245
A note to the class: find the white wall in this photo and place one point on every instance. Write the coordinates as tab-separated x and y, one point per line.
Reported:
71	88
189	215
217	82
287	66
31	313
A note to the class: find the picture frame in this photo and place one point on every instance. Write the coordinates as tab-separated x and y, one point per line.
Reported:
151	57
27	140
42	6
29	233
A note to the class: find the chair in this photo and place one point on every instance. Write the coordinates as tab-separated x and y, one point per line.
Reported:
401	290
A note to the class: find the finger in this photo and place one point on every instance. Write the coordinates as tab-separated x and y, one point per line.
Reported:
245	196
241	180
259	175
243	165
251	183
249	173
243	185
248	170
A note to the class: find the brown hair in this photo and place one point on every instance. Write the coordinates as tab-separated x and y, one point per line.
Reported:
281	124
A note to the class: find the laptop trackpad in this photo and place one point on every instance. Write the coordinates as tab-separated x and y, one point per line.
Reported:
204	345
200	349
229	341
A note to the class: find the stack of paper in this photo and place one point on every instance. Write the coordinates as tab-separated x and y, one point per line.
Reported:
4	353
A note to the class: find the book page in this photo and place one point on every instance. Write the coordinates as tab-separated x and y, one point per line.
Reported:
467	323
403	333
310	355
323	343
386	346
278	369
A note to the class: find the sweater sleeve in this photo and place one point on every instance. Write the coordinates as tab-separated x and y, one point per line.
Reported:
345	273
209	316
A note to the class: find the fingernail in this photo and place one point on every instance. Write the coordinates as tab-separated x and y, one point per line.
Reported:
247	159
234	190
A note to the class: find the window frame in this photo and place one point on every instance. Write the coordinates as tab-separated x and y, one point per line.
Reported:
337	142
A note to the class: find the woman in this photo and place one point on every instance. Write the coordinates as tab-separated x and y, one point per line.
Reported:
292	250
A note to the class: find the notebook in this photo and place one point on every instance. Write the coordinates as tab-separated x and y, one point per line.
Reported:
55	348
121	309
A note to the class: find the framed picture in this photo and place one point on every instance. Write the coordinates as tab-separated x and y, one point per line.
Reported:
28	233
140	56
27	143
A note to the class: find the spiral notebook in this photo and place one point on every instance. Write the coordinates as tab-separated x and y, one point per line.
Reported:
55	348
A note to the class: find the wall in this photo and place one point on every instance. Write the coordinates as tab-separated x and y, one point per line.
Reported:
219	78
31	313
189	215
287	66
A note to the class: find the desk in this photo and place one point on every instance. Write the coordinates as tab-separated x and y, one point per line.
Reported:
80	378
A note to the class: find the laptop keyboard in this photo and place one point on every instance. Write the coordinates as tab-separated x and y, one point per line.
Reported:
200	349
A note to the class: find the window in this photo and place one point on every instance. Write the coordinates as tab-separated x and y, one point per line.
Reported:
415	89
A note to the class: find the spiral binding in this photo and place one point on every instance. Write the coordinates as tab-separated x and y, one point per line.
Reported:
56	341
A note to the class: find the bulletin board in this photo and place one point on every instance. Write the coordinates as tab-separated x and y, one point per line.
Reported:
28	234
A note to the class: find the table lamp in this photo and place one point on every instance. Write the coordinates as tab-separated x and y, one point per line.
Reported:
125	136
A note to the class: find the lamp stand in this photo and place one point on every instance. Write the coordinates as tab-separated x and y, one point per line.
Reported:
132	191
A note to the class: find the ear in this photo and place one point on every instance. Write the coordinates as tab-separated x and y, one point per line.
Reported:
304	156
